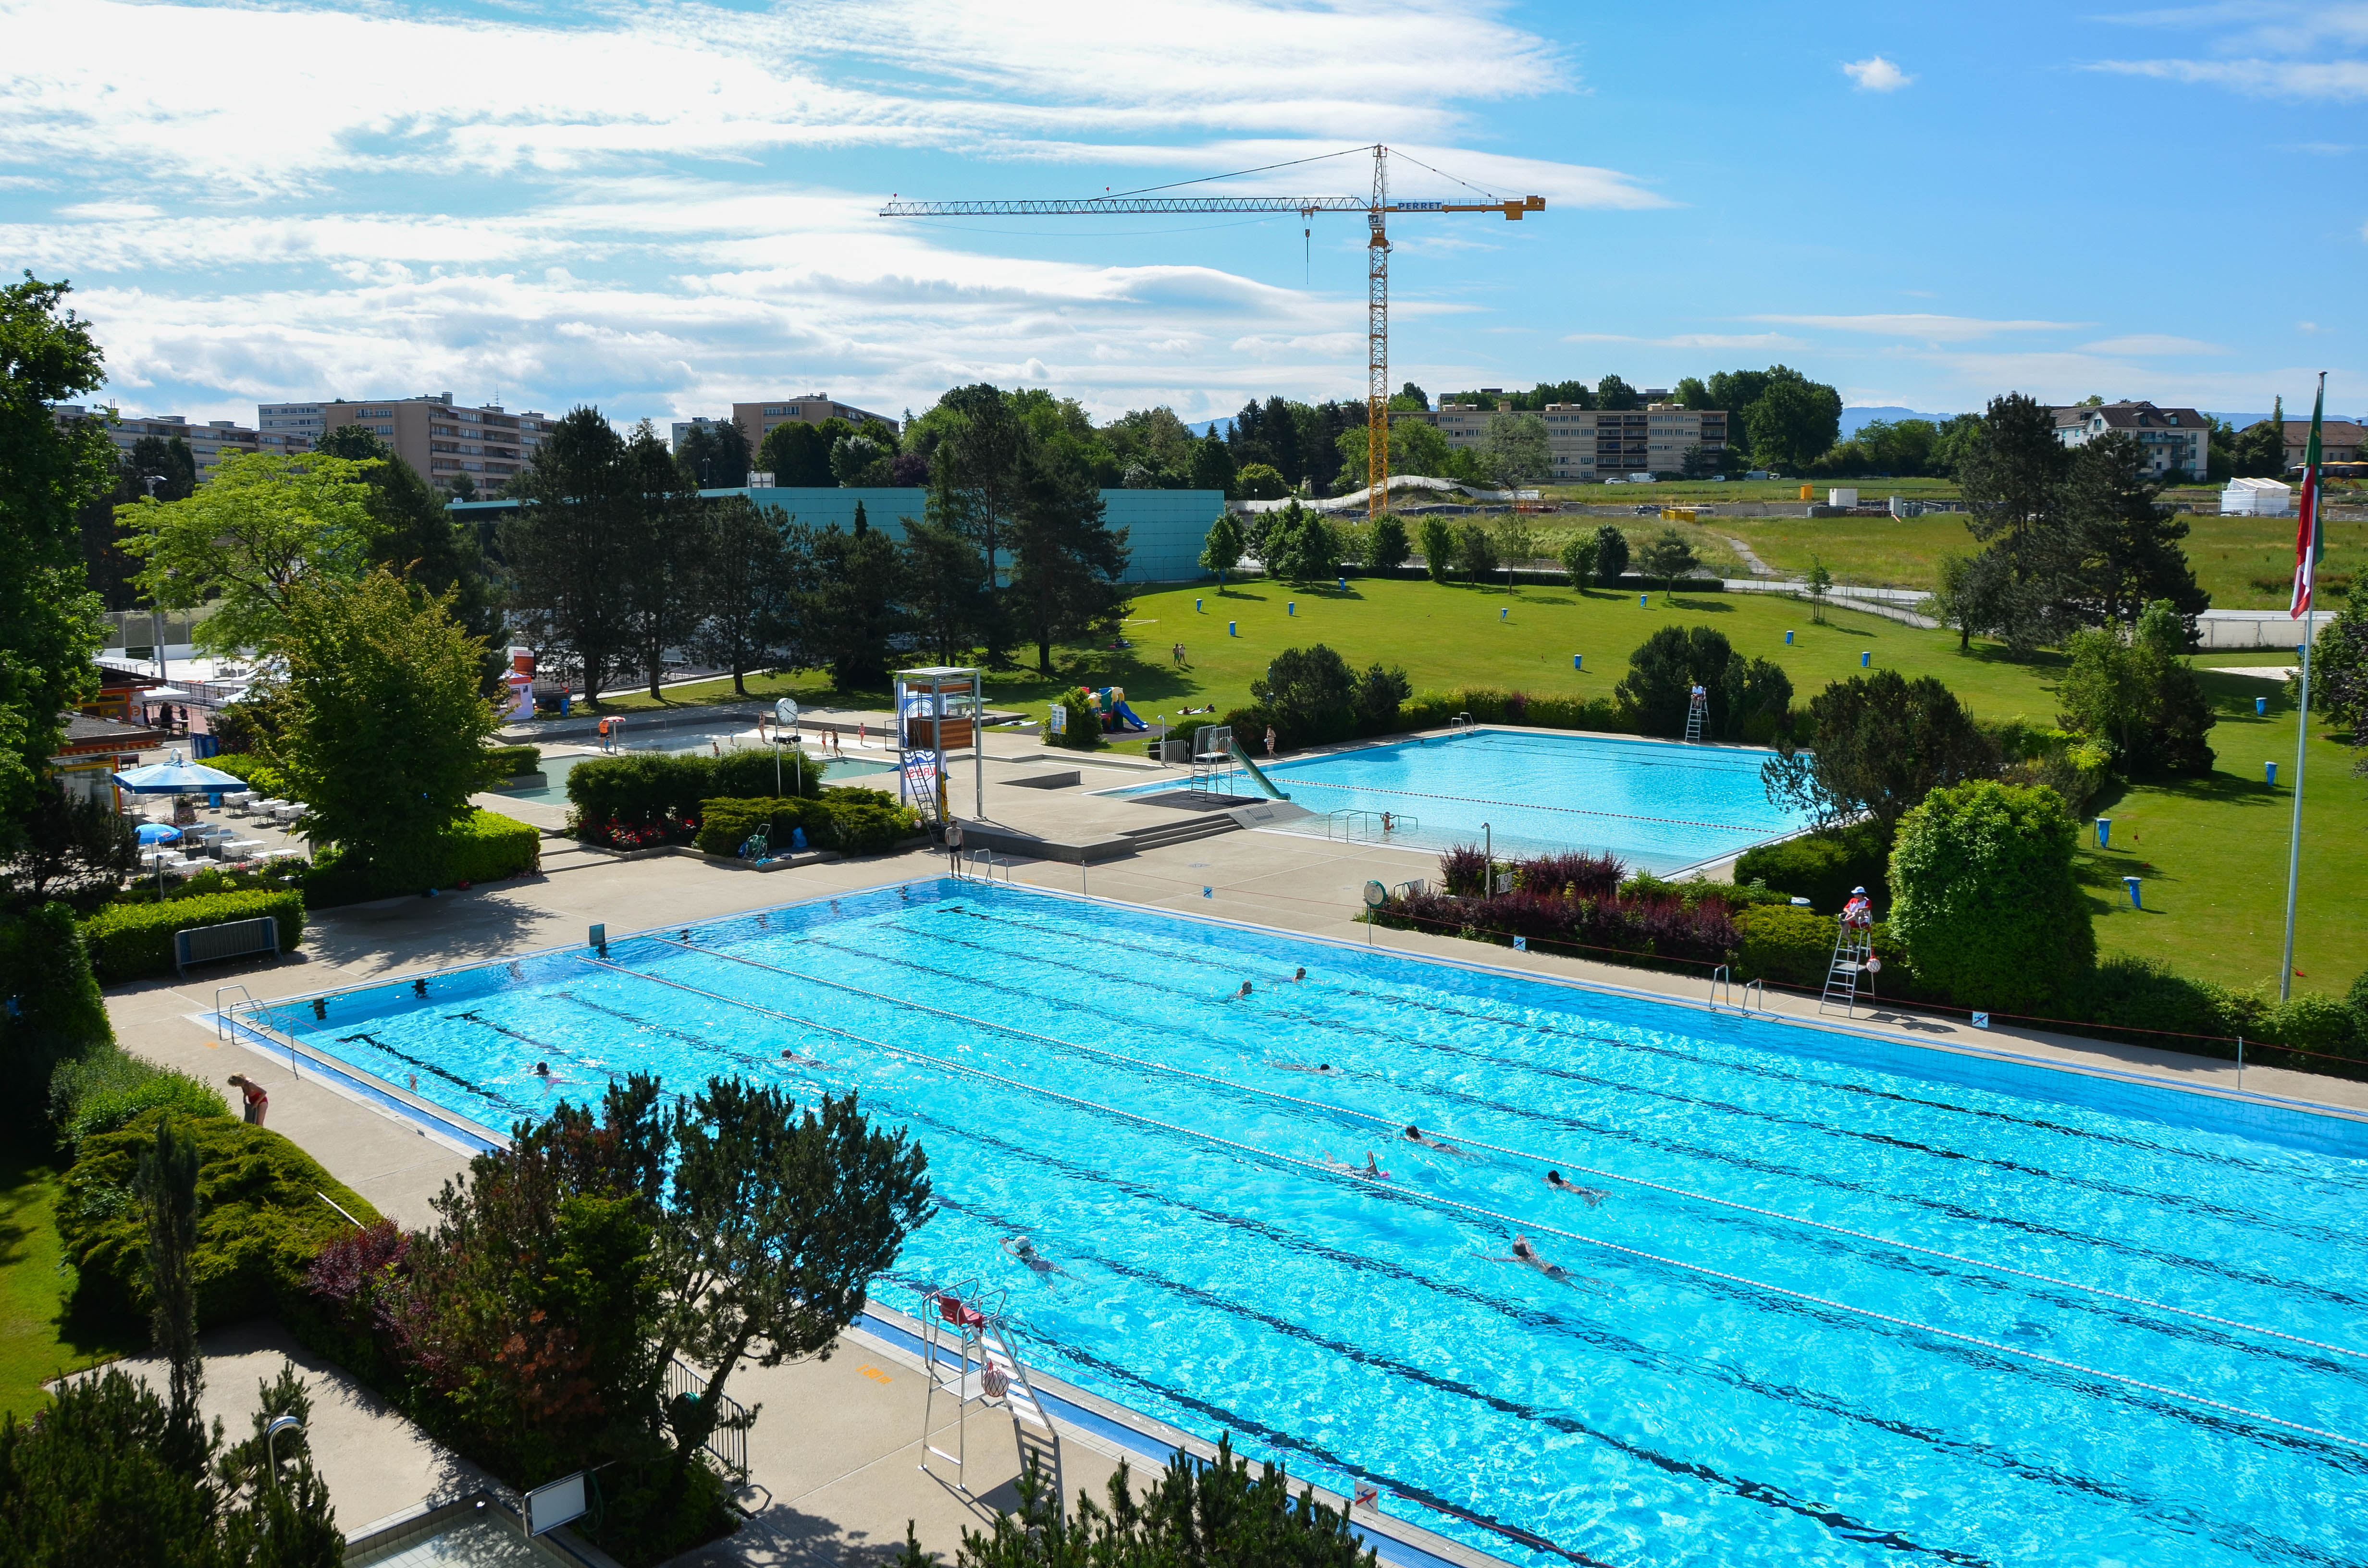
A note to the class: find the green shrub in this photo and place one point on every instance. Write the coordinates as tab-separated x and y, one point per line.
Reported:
1821	866
489	847
128	940
508	762
860	821
53	1011
101	1091
1985	900
1785	944
259	773
1489	705
1081	728
647	789
260	1218
724	826
747	775
2309	1021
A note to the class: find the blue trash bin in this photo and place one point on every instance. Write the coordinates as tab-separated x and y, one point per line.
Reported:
1232	628
1290	608
1578	660
2131	883
1644	600
1865	659
2104	831
1788	639
2271	769
2260	707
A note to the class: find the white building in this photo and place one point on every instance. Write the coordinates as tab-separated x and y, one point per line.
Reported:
207	443
2174	439
1585	445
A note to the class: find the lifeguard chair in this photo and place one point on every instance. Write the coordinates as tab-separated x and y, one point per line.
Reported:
967	1354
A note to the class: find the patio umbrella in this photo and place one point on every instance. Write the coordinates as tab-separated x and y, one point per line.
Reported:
157	832
175	777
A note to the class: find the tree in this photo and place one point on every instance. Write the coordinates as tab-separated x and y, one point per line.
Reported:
1515	449
1259	482
798	455
714	456
1213	465
72	846
1067	562
264	523
1579	554
1668	556
1476	550
945	586
168	1187
1381	691
1439	546
2012	476
664	537
415	537
977	478
776	1226
1611	393
744	588
849	600
1610	555
570	547
1301	545
463	487
1985	897
1698	462
1386	548
1877	745
2339	676
1952	439
1793	420
1820	583
861	461
167	461
49	618
2129	687
1742	694
2127	541
1309	695
1222	550
386	723
1516	542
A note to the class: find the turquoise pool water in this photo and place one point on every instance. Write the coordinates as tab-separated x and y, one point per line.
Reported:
1658	805
1824	1301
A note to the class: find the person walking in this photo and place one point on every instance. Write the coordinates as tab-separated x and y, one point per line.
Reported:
1269	743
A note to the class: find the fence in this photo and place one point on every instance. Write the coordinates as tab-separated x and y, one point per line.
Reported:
728	1440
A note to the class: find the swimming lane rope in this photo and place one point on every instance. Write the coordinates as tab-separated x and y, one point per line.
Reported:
1380	1121
1508	1220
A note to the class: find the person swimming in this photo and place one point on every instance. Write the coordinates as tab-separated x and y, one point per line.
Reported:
1244	991
1024	1251
1527	1257
1371	1169
1414	1134
789	1055
1301	975
1560	1183
1323	1069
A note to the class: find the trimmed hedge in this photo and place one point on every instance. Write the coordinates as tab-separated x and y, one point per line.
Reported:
1822	867
260	1218
508	762
726	824
128	940
1493	705
652	797
485	846
259	774
100	1093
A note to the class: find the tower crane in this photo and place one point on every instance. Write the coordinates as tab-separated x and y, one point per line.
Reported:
1377	208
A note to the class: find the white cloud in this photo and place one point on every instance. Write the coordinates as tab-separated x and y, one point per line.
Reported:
1877	74
1756	341
1916	325
2150	343
2337	80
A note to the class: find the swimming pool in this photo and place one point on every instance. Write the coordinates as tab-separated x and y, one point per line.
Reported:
1658	805
1831	1299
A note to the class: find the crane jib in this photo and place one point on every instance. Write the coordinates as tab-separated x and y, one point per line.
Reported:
1107	206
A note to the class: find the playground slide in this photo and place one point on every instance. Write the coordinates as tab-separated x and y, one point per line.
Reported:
1127	716
1256	774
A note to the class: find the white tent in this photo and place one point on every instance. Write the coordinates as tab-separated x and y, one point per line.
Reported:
2256	499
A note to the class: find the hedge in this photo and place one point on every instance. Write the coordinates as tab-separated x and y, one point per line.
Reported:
258	773
654	794
1821	866
508	762
1986	898
726	824
1490	704
862	822
99	1093
260	1218
484	846
128	940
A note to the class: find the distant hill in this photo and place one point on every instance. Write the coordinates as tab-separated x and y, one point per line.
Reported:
1222	427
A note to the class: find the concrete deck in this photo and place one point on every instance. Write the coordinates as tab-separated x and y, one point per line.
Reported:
835	1457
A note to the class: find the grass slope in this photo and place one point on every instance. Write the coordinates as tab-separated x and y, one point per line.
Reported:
37	1340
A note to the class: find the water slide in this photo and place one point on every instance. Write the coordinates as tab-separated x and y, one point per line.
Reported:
1126	715
1256	774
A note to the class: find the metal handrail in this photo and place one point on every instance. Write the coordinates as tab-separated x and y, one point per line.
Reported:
1354	817
1748	987
731	1423
221	1029
1718	977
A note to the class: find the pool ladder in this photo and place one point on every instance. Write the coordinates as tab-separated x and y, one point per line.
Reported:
966	1353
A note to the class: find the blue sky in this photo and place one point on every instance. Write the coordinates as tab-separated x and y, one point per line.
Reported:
659	208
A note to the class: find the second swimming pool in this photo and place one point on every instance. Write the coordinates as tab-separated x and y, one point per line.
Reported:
1812	1298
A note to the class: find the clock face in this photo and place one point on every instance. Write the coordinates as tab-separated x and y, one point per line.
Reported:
786	711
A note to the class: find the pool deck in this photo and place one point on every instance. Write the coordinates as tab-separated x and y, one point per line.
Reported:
834	1461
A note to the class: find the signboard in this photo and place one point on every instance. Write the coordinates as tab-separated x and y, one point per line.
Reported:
551	1506
1057	718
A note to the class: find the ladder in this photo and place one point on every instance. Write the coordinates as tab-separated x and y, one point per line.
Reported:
1853	957
1697	712
918	773
966	1352
1212	760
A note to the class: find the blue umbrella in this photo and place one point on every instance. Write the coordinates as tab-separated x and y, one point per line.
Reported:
157	832
175	777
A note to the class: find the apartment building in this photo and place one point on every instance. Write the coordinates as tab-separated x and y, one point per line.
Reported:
2340	441
2172	438
1588	443
444	440
756	419
683	427
209	443
301	419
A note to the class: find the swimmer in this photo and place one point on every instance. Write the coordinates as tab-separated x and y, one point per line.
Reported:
543	1069
1527	1257
1560	1183
1301	975
1024	1250
1414	1134
789	1055
1323	1069
1371	1168
1244	991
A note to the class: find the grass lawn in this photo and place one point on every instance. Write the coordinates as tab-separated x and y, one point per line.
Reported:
2212	851
37	1341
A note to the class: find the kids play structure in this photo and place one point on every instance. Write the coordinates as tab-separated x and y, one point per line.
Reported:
1108	706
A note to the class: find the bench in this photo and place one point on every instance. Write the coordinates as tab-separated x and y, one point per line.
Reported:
234	938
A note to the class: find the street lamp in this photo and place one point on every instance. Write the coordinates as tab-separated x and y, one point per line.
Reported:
271	1442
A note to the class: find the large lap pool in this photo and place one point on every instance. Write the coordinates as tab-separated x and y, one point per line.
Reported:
1822	1300
1658	805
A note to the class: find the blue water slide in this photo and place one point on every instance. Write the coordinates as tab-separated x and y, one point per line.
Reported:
1128	716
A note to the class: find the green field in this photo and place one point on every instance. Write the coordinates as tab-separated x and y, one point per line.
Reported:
37	1341
2212	851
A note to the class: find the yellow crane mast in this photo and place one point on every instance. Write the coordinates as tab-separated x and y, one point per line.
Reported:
1376	208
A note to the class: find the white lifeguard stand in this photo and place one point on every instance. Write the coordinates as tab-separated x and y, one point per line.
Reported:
937	707
1697	714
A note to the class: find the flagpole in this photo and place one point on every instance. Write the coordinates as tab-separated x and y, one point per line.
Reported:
2308	548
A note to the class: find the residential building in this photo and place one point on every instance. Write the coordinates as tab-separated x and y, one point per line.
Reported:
756	419
207	443
2174	439
683	427
1586	442
292	418
444	440
2340	441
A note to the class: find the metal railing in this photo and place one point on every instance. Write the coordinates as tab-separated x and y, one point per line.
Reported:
982	863
1352	824
728	1440
1720	979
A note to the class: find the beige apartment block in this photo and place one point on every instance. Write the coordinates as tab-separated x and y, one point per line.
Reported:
443	440
757	419
209	443
1588	443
